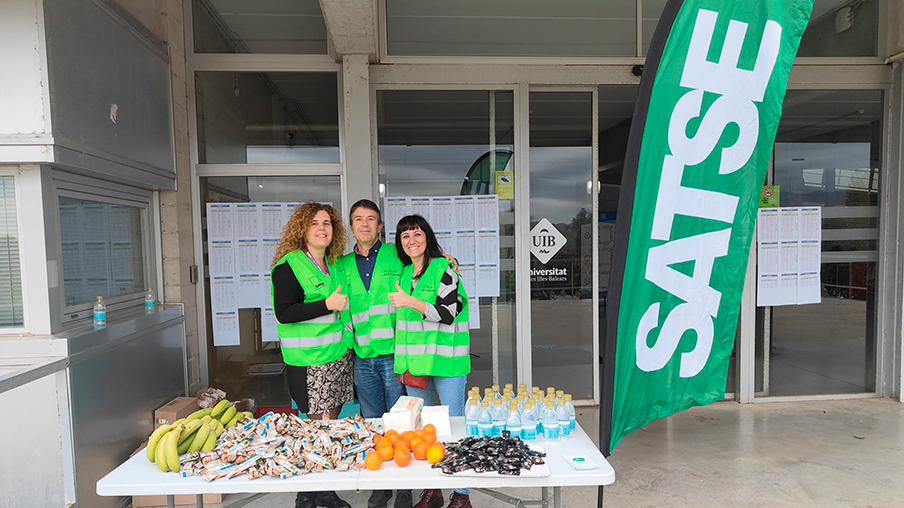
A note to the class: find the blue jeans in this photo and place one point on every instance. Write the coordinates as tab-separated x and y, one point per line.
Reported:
451	392
377	385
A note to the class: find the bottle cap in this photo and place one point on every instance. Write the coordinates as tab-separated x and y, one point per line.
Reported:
487	390
497	402
549	404
513	407
473	402
528	405
522	386
567	396
484	404
550	389
560	393
560	401
509	386
99	297
495	388
475	389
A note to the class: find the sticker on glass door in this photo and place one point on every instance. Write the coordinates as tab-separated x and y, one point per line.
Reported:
545	241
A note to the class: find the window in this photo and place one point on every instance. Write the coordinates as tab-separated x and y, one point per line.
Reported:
103	246
267	117
579	28
10	274
223	26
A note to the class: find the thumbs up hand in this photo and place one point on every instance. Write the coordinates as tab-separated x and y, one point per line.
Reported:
398	299
336	301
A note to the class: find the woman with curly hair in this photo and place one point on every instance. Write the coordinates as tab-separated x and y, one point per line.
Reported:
307	286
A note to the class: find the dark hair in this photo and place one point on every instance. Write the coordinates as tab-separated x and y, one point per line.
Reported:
367	205
433	250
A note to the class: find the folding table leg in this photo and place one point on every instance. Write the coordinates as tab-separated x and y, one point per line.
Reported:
199	500
557	497
170	501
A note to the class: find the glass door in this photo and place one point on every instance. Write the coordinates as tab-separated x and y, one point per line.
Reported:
563	217
253	366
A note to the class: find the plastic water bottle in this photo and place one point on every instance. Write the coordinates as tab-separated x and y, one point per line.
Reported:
551	392
149	300
499	417
564	420
560	394
550	423
471	416
508	387
513	422
488	395
522	387
485	421
496	394
529	423
100	312
572	414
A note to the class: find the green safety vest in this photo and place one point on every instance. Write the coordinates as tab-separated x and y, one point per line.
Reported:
425	347
319	340
372	316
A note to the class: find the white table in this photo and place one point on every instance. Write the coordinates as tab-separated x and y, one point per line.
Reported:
137	476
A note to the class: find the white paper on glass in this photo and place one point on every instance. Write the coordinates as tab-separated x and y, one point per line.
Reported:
441	214
247	295
266	300
268	251
420	206
465	247
463	212
219	221
789	256
473	313
393	210
468	277
445	241
488	212
247	220
272	222
226	328
222	292
269	332
247	258
221	256
487	280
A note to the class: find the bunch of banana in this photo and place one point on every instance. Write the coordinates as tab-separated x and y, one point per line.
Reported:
195	433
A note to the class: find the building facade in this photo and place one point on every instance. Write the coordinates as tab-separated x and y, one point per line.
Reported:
115	141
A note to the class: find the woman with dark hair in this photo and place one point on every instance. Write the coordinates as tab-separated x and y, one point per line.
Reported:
307	291
432	343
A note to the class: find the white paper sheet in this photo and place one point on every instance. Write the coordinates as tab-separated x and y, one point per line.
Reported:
248	293
271	220
222	293
268	326
441	214
247	258
420	206
465	247
393	210
219	221
473	313
266	300
247	220
488	280
788	256
221	255
226	328
468	277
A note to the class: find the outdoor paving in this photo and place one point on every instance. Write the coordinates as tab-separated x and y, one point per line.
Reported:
840	453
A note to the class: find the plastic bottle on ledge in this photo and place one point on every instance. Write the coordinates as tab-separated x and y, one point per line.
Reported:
150	300
550	424
485	421
100	312
528	423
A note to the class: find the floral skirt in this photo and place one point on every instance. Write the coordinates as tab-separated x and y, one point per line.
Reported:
330	384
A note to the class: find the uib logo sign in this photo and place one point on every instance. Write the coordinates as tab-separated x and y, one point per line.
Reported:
545	241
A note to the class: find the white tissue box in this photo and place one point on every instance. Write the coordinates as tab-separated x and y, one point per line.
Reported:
439	417
404	415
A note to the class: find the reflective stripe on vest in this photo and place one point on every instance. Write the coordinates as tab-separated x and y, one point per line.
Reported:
372	316
426	347
322	339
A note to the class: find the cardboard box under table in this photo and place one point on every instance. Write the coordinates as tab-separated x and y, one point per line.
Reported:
137	476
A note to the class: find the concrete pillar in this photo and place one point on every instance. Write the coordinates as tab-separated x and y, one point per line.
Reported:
359	160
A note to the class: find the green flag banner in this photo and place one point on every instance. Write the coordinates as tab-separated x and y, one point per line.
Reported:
703	129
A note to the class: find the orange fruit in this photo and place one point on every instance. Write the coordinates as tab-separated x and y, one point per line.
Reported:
429	438
435	453
430	428
420	450
408	436
373	461
385	451
389	433
441	446
377	439
419	433
414	442
402	457
394	439
401	444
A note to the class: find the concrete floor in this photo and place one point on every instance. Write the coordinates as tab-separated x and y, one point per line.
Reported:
823	453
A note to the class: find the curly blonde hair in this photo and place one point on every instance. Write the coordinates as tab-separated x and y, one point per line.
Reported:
293	233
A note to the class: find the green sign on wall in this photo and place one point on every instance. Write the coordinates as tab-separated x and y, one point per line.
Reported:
769	196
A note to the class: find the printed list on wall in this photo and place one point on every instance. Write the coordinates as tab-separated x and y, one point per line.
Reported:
466	227
241	242
789	245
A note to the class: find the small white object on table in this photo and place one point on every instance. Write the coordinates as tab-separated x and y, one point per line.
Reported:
137	476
